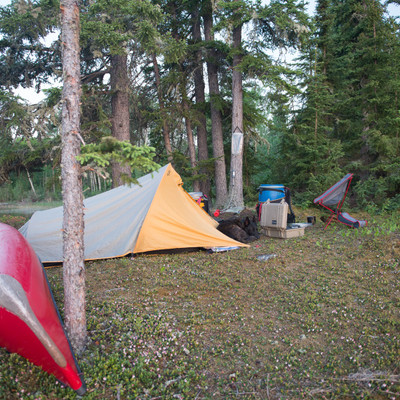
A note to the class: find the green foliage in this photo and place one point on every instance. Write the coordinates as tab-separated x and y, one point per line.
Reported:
375	195
175	50
363	54
100	155
24	154
348	118
13	117
188	173
53	96
25	59
235	13
120	22
15	221
95	119
283	24
336	112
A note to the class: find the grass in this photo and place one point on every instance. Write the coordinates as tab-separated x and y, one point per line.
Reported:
319	321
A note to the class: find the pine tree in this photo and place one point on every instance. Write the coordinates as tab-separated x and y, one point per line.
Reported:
310	152
212	60
123	23
348	120
26	59
73	224
365	82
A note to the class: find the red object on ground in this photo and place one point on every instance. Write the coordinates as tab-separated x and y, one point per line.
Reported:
30	324
216	213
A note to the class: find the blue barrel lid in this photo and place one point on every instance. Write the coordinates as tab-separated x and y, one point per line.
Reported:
271	186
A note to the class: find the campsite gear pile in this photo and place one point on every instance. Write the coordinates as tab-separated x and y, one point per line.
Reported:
241	229
273	221
333	200
157	214
275	194
201	199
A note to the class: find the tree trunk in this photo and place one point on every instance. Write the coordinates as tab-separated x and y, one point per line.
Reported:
221	189
191	146
167	139
199	88
31	182
73	224
120	111
236	179
316	94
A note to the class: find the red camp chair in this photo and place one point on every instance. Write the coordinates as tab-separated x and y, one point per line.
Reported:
333	200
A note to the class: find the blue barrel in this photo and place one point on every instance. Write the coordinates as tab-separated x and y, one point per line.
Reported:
271	192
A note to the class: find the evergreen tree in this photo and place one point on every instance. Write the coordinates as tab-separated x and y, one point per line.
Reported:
26	59
73	224
348	118
123	23
310	153
276	25
362	73
213	58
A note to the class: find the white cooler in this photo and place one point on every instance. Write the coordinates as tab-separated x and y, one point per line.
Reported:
273	221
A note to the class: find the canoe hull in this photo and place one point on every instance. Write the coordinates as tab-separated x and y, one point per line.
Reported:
30	324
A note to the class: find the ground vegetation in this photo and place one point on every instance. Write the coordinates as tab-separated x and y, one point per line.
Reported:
319	319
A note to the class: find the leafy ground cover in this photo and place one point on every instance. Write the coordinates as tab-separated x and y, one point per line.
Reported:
320	320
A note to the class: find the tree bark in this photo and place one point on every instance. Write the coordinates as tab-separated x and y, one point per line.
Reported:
120	111
31	182
73	224
221	189
189	133
199	88
236	176
167	139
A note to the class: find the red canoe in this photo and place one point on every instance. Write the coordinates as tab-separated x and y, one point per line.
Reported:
30	324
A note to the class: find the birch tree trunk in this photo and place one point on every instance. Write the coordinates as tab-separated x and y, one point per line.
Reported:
73	225
221	188
236	175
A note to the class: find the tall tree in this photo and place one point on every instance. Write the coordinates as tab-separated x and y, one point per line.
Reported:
359	63
120	111
199	88
163	114
235	198
279	24
178	31
310	137
73	224
221	188
110	31
189	129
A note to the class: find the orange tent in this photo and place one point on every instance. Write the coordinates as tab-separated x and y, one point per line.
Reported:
157	214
